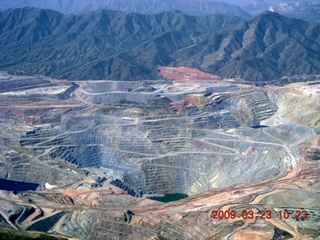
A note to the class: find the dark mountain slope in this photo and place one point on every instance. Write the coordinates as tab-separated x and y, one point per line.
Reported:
267	46
193	7
100	44
35	24
117	45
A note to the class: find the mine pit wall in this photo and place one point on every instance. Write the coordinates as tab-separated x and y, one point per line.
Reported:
153	180
297	105
27	172
46	224
23	84
126	186
66	94
117	97
100	86
85	156
188	173
76	223
81	123
117	165
195	173
176	162
191	172
96	92
4	223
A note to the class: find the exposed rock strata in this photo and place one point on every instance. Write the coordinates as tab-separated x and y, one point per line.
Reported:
229	146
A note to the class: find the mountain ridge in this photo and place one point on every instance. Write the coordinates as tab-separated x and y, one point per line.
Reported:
106	44
245	57
191	7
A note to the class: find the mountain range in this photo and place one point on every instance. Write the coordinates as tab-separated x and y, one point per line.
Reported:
106	44
301	9
191	7
307	10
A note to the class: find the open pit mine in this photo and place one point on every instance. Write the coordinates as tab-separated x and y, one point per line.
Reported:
95	156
